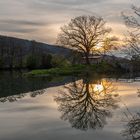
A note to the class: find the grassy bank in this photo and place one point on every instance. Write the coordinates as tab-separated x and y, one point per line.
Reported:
62	71
72	70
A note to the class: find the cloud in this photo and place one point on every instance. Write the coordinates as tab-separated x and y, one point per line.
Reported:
16	29
20	26
22	22
43	18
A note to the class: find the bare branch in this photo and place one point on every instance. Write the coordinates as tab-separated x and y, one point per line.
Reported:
83	33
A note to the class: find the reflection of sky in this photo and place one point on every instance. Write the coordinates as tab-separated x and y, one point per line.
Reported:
41	19
38	118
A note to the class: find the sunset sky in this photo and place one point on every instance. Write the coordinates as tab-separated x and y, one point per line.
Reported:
41	19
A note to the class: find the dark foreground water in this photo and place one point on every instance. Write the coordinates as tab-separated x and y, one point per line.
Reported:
71	108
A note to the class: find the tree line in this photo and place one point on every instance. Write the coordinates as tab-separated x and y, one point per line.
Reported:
16	54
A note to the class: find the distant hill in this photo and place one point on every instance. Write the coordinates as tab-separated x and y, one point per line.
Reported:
14	51
21	53
27	44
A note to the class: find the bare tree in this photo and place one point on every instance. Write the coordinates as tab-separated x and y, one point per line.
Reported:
133	20
133	40
83	33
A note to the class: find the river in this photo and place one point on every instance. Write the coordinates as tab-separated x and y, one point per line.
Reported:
69	108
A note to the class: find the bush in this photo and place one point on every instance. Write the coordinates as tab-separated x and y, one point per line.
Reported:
32	61
60	61
46	61
1	63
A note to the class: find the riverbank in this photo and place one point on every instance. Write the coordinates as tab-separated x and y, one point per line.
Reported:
73	70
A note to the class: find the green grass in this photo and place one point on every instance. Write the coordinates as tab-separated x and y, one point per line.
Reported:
71	70
62	71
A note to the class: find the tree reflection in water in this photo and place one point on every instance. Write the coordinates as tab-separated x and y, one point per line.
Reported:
86	104
132	131
138	92
14	98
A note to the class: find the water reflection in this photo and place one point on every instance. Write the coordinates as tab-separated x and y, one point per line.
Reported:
11	98
14	86
14	98
87	103
36	93
138	92
14	83
132	131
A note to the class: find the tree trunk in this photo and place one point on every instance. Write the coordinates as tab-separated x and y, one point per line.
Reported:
87	59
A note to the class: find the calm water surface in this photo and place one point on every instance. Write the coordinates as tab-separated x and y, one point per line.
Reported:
69	108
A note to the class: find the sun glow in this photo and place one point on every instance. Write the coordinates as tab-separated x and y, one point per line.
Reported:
98	46
98	87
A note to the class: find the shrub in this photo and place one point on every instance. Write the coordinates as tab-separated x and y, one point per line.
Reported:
1	63
32	61
46	61
59	61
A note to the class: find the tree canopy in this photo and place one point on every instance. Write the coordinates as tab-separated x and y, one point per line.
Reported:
83	34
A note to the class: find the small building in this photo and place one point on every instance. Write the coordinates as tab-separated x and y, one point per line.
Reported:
94	59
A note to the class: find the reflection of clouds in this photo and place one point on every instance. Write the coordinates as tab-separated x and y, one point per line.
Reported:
85	106
55	12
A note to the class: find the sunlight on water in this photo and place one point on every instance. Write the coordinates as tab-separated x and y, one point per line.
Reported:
98	87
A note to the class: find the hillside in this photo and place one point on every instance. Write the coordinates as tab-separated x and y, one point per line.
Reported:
14	51
6	41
